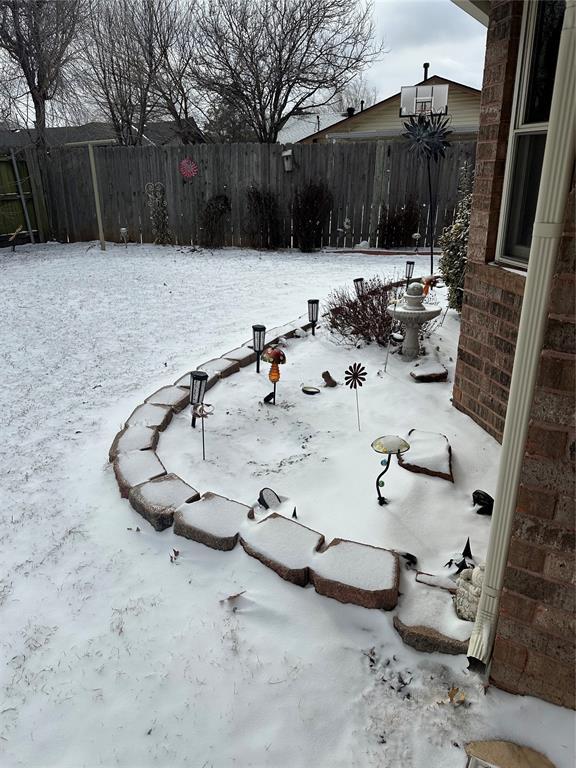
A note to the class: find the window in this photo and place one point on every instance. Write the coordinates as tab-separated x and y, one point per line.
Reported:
536	69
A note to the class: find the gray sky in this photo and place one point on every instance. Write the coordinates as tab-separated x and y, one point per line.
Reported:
415	31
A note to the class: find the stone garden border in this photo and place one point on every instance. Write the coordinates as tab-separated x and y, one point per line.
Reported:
164	499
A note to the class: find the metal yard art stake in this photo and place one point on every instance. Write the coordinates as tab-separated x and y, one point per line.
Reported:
388	445
202	411
275	356
354	377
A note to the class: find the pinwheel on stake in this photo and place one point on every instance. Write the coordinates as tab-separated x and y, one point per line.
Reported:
354	377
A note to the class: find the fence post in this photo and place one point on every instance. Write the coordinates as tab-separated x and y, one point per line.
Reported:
21	196
96	197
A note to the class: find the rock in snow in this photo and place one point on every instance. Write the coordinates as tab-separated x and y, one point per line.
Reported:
429	371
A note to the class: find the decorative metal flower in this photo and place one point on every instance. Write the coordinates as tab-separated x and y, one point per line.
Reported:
188	168
355	376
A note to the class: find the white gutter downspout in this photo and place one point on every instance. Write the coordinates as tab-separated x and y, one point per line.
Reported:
548	225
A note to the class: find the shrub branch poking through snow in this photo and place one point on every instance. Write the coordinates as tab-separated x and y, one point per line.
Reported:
212	223
454	242
262	220
361	318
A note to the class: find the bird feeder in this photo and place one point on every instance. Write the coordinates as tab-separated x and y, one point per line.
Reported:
276	357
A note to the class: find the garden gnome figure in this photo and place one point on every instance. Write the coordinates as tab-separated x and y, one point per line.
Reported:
276	357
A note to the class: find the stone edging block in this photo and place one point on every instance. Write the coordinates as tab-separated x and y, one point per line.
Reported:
242	355
136	438
214	521
220	367
275	541
406	461
184	382
148	415
172	396
429	640
135	468
351	560
158	499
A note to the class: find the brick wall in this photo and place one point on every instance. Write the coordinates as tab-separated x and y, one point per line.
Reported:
534	652
535	649
492	295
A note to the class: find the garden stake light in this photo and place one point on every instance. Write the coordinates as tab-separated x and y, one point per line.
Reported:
313	306
275	356
354	377
359	286
198	381
258	341
388	445
409	272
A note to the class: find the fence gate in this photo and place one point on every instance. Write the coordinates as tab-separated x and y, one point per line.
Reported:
18	221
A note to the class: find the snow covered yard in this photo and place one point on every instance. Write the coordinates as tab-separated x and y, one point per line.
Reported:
111	655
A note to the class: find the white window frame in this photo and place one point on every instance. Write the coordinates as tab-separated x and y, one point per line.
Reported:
518	128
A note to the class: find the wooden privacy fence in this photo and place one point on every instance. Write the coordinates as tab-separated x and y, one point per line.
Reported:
373	184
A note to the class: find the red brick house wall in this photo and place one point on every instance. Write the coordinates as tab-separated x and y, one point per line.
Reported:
492	294
535	649
534	652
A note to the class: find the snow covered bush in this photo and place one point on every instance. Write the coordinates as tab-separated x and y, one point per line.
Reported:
310	211
262	219
396	228
353	318
454	243
212	221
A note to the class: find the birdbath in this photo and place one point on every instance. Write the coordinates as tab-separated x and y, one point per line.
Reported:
412	314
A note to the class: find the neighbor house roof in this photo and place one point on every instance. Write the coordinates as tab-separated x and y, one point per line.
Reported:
346	124
299	127
159	134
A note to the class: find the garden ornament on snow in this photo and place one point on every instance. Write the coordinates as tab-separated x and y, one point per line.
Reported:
276	357
389	445
354	377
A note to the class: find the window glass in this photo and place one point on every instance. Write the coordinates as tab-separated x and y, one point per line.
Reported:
524	194
544	56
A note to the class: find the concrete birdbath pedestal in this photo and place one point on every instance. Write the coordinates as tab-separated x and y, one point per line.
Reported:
412	314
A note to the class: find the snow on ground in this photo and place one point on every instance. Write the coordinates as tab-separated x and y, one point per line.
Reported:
111	655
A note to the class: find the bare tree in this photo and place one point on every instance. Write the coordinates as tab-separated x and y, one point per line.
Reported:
175	43
38	37
272	59
357	93
119	64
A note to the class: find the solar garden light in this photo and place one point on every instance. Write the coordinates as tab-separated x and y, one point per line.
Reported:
388	445
198	381
313	307
409	272
359	286
258	341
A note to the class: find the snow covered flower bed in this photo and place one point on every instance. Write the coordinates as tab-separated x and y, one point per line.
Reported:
116	653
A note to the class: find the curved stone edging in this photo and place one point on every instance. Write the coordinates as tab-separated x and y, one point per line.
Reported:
164	499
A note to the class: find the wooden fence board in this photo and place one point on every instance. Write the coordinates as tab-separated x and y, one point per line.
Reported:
368	180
